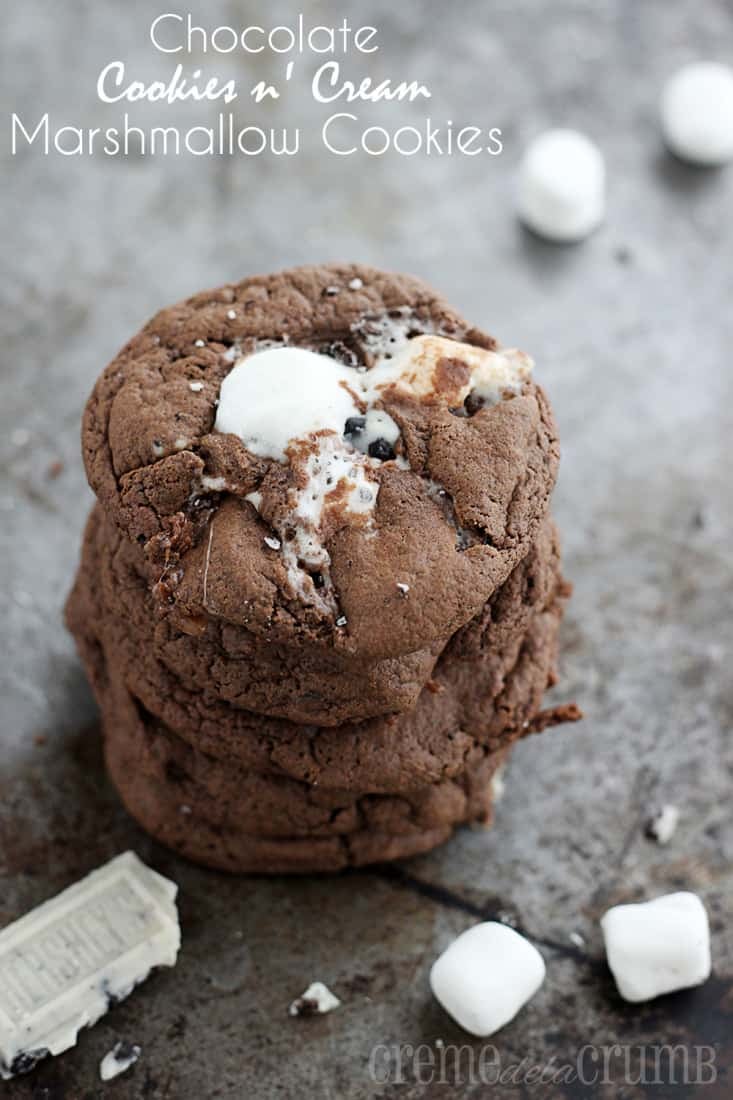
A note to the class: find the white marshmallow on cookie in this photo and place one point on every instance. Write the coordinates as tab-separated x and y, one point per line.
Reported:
436	367
276	396
658	946
324	418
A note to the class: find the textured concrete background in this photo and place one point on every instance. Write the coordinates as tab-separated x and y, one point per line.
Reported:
632	332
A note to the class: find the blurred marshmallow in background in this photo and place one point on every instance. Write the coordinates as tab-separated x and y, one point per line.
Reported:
562	186
697	113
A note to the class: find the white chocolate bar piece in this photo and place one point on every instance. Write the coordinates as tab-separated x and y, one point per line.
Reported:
65	964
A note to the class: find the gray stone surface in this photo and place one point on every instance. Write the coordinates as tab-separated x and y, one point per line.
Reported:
632	332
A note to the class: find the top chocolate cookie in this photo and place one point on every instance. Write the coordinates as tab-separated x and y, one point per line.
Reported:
328	456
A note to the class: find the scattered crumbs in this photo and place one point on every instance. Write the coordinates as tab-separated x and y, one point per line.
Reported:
196	387
273	543
662	825
199	343
341	621
332	291
576	939
55	469
20	437
184	809
356	284
231	314
118	1060
403	588
316	1000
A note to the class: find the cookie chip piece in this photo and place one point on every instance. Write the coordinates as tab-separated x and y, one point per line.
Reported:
458	497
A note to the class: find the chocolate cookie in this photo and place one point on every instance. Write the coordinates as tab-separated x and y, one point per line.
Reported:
373	537
237	667
483	701
241	821
320	593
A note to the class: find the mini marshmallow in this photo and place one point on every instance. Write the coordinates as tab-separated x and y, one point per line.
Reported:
697	113
485	977
657	946
562	184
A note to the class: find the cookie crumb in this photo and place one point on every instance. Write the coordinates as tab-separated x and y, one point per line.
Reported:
273	543
55	469
317	1000
119	1059
661	827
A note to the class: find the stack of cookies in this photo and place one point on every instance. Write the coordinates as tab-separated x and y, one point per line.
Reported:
320	590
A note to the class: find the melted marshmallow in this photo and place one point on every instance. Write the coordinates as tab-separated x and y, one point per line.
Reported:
335	481
417	369
290	404
276	396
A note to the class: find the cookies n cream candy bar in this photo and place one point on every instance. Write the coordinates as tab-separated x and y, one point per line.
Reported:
63	965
